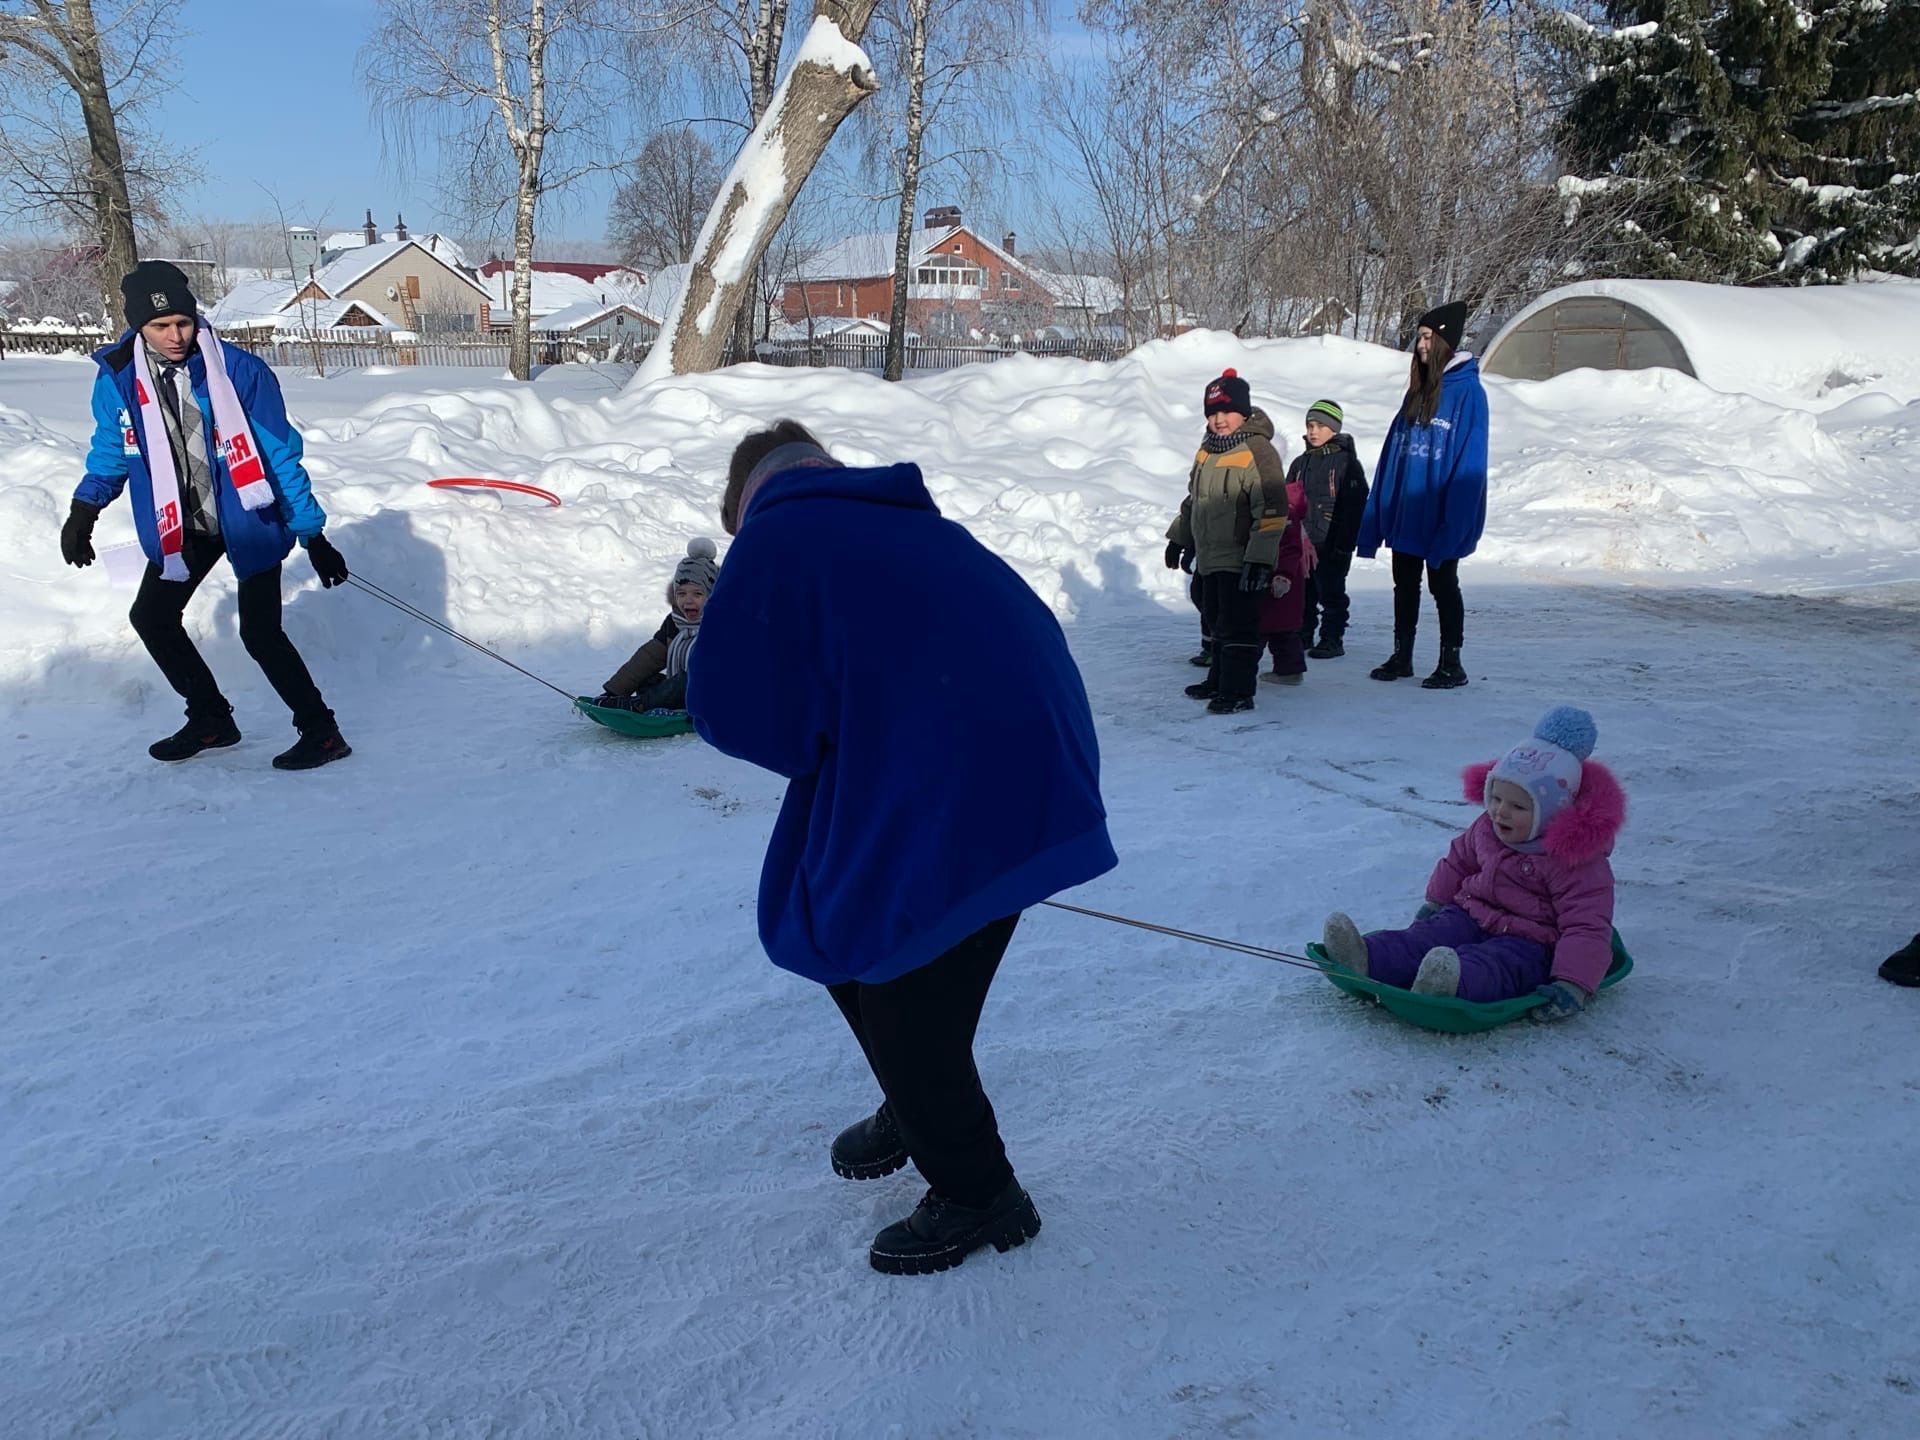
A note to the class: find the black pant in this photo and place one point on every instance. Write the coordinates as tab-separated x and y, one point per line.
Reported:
668	692
156	620
1443	581
917	1033
1232	617
1327	603
1200	604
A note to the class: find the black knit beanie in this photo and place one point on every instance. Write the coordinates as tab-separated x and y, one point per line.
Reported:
1448	321
154	288
1229	392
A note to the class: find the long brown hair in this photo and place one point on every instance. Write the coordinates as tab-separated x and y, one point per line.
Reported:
1423	382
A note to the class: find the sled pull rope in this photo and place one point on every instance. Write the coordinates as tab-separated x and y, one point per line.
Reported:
1280	956
417	613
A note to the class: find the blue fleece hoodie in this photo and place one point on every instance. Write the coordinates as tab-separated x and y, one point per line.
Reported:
256	540
1429	494
922	704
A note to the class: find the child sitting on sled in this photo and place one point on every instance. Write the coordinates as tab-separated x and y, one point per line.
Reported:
1523	901
655	676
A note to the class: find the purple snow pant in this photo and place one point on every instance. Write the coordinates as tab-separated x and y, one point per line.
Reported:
1492	967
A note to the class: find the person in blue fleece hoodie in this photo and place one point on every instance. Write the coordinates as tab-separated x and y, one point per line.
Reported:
1429	499
943	775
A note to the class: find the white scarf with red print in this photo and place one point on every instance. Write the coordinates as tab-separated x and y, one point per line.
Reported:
232	439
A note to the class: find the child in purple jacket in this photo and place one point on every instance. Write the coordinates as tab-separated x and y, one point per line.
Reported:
1523	901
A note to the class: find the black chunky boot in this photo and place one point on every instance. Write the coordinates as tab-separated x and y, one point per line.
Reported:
940	1234
871	1149
213	733
1329	647
1449	674
1399	665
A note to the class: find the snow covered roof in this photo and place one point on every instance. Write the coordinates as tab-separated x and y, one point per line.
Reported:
251	301
561	290
862	257
1081	292
354	266
655	298
1800	343
589	312
328	315
589	270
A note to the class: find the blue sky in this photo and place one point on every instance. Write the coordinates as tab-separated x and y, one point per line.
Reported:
297	123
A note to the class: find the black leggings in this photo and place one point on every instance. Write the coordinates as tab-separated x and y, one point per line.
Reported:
1443	581
917	1034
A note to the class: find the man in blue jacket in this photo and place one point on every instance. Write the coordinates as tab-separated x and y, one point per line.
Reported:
200	430
943	776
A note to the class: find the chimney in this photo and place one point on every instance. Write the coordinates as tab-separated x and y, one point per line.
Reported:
370	231
399	226
1007	244
941	217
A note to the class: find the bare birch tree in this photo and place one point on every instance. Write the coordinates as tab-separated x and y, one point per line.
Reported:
828	81
512	90
61	55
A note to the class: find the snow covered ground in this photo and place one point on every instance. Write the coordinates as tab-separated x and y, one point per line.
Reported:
446	1092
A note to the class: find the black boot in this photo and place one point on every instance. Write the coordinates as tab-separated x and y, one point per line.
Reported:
940	1234
1229	704
318	745
1449	674
1903	966
870	1149
1329	647
1399	665
1204	690
214	733
1203	661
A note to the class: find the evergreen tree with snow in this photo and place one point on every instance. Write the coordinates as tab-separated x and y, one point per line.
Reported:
1856	199
1752	140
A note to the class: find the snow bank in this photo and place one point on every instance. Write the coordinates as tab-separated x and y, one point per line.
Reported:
1071	470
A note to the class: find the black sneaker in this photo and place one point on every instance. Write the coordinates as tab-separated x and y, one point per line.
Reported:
871	1149
194	736
1329	648
1203	691
1229	704
313	749
1449	674
1204	660
940	1234
1903	966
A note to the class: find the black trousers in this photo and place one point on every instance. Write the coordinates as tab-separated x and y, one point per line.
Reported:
917	1034
1327	603
156	620
1200	604
1232	617
1443	581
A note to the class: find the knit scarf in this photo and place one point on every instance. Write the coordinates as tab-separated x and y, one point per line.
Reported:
685	632
1219	444
231	437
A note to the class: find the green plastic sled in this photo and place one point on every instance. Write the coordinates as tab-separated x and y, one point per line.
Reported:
1447	1012
647	725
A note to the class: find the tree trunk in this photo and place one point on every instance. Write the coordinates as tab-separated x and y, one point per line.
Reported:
909	190
520	351
763	71
829	79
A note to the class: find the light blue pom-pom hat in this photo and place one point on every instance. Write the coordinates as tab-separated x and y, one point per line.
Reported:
1547	765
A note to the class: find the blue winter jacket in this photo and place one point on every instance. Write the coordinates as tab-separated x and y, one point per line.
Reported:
921	701
1430	491
257	540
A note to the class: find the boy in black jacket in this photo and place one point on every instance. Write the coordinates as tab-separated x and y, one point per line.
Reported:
1336	488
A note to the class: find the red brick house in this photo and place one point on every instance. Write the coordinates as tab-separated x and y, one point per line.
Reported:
960	283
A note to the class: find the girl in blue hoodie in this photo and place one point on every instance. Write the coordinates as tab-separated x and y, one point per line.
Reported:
1429	499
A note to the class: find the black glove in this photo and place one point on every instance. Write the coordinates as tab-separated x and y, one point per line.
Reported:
1174	553
1255	577
76	536
328	563
1186	560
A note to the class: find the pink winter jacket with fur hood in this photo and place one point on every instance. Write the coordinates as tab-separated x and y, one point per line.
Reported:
1562	896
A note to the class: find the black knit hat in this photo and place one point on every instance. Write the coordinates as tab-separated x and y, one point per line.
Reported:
1448	321
154	288
1229	392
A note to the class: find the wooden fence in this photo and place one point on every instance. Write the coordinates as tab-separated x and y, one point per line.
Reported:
349	349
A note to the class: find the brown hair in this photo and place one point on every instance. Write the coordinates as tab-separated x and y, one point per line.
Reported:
1423	381
749	453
